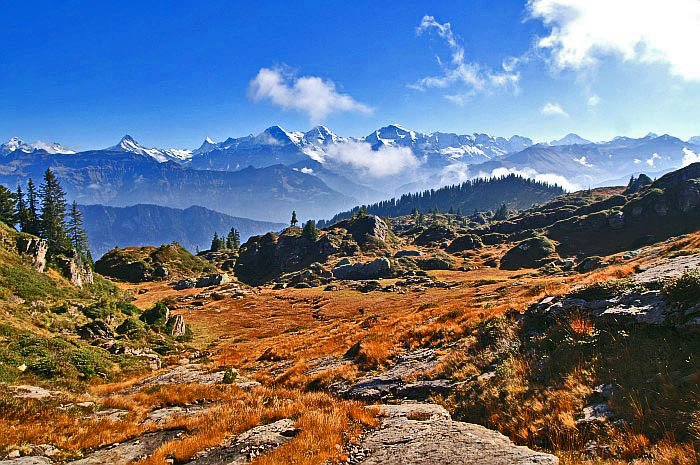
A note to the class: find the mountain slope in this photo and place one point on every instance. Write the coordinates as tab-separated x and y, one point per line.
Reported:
154	225
128	144
125	178
16	143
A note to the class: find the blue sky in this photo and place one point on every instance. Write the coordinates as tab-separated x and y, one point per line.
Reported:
170	73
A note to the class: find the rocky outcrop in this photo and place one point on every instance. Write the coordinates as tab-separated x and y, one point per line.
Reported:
435	233
425	434
466	242
96	329
203	281
530	253
77	272
34	248
245	447
376	269
129	451
637	184
364	229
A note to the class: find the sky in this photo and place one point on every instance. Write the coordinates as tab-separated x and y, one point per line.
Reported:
85	73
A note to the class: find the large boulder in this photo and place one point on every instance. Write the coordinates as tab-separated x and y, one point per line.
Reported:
73	269
466	242
530	253
376	269
364	228
435	233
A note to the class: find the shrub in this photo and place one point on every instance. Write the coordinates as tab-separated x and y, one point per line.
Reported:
230	376
684	290
604	289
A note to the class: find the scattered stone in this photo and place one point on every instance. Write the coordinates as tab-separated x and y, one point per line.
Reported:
32	392
26	460
596	413
113	414
166	414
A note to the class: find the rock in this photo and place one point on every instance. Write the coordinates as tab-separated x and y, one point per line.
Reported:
494	238
113	414
96	329
248	445
32	392
35	248
637	184
26	460
425	434
668	268
616	220
364	228
589	264
164	415
408	253
130	451
596	413
466	242
376	269
213	280
77	272
439	262
435	233
187	283
530	253
176	324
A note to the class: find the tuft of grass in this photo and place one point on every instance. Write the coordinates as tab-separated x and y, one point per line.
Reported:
684	290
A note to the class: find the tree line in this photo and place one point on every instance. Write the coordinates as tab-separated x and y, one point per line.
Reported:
44	212
232	241
476	194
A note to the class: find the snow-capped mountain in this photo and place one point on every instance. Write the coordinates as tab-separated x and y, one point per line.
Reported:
16	143
571	139
128	144
694	140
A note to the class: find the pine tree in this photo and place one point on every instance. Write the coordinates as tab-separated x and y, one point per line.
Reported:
8	205
76	233
33	222
310	230
53	214
502	213
215	243
22	210
294	221
233	239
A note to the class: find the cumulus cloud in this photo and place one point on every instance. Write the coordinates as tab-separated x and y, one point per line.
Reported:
469	76
359	155
651	160
553	109
593	101
583	161
309	94
689	157
645	31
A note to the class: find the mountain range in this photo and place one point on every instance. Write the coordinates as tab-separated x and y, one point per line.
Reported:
319	173
142	224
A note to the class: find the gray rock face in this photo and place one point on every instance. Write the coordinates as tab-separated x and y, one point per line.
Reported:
35	248
466	242
130	451
590	263
96	329
419	434
202	281
378	268
248	445
669	268
176	323
78	273
28	460
408	253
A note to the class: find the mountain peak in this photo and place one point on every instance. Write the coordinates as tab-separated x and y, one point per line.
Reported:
571	139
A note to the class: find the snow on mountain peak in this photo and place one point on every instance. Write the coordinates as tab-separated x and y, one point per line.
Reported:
15	143
128	144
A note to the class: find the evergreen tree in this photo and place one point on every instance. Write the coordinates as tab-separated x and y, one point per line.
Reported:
233	239
502	213
8	205
451	212
421	219
310	230
294	221
215	243
76	233
33	222
53	214
22	210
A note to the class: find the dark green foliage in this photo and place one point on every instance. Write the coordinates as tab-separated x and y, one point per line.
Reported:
310	231
106	307
23	213
33	221
604	290
156	316
216	243
75	231
530	253
131	327
684	290
8	206
233	239
476	194
230	376
53	215
294	220
502	213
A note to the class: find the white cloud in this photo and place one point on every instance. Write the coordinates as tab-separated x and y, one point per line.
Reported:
529	173
310	94
307	170
653	159
645	31
583	161
359	155
553	109
593	101
689	157
637	161
473	77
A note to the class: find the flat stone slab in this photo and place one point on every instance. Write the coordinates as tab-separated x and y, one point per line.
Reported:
191	373
28	460
129	451
32	392
669	268
163	415
246	446
424	434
